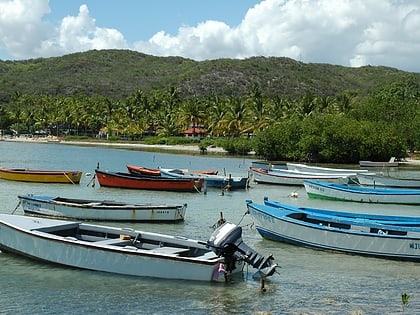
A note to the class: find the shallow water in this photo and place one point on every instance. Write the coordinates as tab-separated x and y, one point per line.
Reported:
309	282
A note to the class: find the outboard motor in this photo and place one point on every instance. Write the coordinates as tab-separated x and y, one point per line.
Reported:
227	242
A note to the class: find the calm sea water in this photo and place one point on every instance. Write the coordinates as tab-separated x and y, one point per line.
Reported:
309	282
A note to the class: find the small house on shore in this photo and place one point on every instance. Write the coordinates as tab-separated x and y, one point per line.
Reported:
194	132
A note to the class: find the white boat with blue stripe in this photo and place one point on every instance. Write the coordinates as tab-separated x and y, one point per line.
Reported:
394	238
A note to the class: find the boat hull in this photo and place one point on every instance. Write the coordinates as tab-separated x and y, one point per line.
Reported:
210	180
331	191
324	170
41	176
130	181
388	181
79	209
378	164
355	240
293	178
27	237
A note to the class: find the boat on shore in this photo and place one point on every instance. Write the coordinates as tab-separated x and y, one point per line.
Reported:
132	181
327	231
100	210
40	176
290	177
132	252
341	192
388	181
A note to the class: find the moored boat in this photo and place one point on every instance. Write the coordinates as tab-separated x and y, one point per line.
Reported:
380	218
390	163
210	180
134	169
327	170
341	192
100	210
132	252
388	181
131	181
290	177
41	176
336	233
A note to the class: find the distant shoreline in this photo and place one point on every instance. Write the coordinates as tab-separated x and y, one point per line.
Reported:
155	147
152	147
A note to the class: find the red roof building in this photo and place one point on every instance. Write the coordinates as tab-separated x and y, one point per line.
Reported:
194	133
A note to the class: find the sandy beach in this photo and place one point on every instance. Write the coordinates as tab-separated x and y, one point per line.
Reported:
179	148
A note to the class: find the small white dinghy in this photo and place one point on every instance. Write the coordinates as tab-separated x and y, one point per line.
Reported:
132	252
100	210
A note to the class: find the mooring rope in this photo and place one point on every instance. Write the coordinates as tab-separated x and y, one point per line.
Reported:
13	212
69	178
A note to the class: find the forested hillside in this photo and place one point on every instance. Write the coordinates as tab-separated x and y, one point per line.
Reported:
278	107
119	73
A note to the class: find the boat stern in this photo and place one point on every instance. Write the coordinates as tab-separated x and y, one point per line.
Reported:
226	241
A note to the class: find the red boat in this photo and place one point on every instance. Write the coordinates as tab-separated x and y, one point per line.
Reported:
132	181
143	170
156	172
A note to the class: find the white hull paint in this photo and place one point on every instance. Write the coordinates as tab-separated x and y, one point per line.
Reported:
126	260
131	252
102	210
388	181
324	170
323	190
287	177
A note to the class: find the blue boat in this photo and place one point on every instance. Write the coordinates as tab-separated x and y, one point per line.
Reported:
391	238
383	219
210	180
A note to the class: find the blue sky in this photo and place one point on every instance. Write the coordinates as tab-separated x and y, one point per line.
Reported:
141	19
343	32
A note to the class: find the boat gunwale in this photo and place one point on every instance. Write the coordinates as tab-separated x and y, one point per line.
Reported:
334	229
98	204
109	248
364	190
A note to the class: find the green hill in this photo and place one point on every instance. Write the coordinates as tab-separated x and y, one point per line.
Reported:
118	73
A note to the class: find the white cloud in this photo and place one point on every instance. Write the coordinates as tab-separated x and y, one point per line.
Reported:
21	26
24	34
345	32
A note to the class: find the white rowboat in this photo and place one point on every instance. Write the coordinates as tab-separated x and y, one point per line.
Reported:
388	181
100	210
334	191
295	178
131	252
327	231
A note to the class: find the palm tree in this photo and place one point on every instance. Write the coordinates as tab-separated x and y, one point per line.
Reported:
216	123
192	113
258	109
237	117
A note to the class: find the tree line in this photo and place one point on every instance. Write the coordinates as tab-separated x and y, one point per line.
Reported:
337	129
